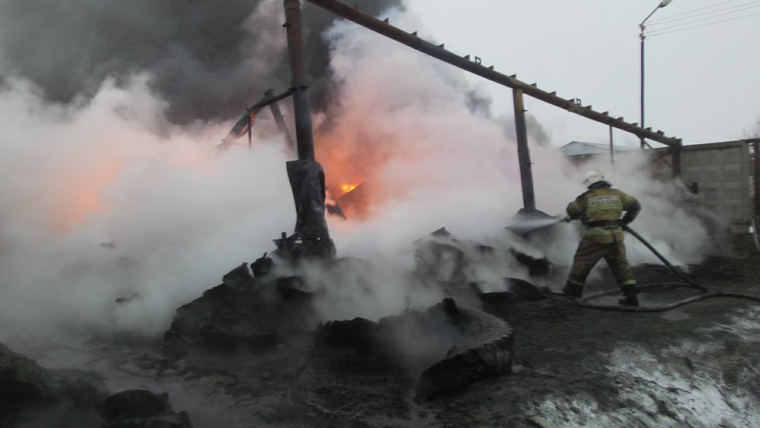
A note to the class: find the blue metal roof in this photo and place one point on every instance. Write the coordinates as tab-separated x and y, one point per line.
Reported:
580	148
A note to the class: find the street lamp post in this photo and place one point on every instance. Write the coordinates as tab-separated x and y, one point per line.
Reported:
662	4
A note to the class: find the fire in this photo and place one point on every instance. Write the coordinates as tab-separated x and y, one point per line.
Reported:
344	202
347	187
81	195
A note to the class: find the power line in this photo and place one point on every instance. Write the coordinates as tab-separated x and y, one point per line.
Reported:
703	16
690	13
661	32
699	20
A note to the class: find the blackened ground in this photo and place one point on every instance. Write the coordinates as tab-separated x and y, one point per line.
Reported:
696	365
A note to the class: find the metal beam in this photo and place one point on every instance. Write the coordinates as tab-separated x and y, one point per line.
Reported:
269	98
411	40
245	122
280	121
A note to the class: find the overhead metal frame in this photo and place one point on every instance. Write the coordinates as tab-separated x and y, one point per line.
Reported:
519	87
475	67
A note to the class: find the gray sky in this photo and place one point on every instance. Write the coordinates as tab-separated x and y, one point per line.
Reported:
701	85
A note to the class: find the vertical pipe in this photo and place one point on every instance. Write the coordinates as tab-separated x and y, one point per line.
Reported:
523	153
307	179
304	137
757	180
677	159
643	143
612	149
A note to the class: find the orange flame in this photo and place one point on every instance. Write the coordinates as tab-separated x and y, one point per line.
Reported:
82	195
347	187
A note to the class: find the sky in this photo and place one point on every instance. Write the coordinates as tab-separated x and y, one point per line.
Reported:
701	82
112	190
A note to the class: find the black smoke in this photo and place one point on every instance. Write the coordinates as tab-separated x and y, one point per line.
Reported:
207	59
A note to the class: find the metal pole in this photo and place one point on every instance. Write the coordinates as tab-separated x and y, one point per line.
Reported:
612	149
756	180
677	158
643	143
304	137
523	152
307	179
662	4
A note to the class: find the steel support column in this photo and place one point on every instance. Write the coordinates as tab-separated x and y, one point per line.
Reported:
304	137
641	105
677	158
756	183
612	149
307	179
523	152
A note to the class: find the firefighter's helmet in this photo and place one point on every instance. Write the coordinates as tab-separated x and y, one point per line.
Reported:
593	176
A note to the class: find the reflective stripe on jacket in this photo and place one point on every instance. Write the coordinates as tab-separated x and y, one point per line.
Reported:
600	205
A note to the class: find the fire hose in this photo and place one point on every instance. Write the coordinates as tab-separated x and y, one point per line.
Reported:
688	282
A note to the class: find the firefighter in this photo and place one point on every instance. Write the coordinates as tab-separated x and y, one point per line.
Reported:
599	209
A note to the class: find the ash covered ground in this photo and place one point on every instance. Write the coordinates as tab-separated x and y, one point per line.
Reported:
695	365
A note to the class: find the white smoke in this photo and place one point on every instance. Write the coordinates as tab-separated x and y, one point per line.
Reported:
97	207
103	199
432	162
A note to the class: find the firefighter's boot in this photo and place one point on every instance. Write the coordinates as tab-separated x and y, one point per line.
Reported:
573	290
630	296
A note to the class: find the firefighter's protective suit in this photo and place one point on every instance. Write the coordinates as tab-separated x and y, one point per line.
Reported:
600	209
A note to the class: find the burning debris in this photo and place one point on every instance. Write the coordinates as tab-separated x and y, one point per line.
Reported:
517	290
449	346
446	345
463	268
142	408
31	396
486	350
244	125
243	312
311	238
353	200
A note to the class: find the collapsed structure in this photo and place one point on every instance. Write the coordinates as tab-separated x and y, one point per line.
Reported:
256	310
248	309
